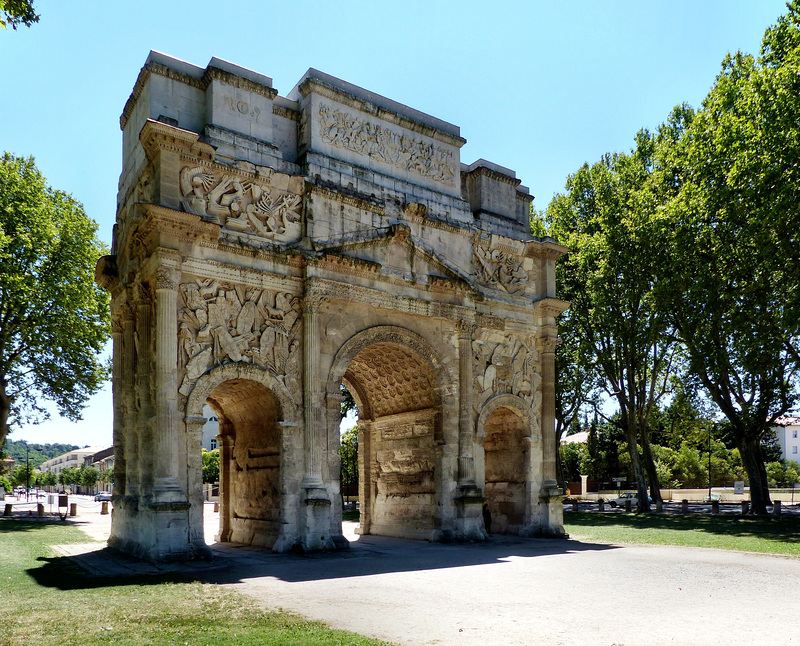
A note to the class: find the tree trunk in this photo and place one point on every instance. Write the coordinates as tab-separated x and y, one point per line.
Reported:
643	505
753	462
5	411
650	466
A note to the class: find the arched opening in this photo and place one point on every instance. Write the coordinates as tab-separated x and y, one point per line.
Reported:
399	406
250	462
504	458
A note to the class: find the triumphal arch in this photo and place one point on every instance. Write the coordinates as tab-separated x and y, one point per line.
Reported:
268	250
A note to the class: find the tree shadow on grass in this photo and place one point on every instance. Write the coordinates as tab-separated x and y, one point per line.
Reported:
25	524
781	529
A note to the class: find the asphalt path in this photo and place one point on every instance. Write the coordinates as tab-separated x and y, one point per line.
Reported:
509	590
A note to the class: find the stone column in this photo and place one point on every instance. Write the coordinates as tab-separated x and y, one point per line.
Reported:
119	408
546	345
165	446
317	530
333	466
194	489
551	494
145	421
312	413
225	443
365	498
127	394
466	462
469	499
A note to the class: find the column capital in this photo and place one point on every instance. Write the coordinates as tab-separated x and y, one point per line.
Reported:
547	343
167	278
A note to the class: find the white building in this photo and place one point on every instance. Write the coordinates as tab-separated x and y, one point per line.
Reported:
787	430
210	429
72	460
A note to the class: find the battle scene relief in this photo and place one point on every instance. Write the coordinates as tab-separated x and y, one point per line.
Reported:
243	204
221	322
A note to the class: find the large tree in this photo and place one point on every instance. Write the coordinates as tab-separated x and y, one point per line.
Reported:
731	239
604	219
54	320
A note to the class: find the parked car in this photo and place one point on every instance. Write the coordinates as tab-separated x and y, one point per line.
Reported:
103	495
634	498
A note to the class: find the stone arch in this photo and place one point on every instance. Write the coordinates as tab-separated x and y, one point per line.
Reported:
213	378
254	410
506	401
504	426
402	388
387	334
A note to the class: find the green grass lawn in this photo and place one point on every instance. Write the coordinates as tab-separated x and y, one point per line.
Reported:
766	535
66	608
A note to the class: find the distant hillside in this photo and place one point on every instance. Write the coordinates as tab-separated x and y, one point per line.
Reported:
37	453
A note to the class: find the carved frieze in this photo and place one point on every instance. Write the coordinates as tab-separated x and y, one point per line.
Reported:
504	367
344	130
500	269
221	322
242	204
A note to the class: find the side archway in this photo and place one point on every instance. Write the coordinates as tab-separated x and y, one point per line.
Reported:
255	412
504	428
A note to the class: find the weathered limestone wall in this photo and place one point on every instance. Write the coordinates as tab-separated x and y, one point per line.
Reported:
268	249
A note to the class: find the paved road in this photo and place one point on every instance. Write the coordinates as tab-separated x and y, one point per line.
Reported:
513	592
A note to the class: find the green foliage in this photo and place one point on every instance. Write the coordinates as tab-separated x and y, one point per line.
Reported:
37	453
107	476
573	456
348	403
17	12
23	475
54	320
89	476
69	476
604	220
211	466
729	212
783	473
49	479
5	484
348	452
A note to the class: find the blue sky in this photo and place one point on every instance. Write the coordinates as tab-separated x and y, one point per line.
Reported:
539	87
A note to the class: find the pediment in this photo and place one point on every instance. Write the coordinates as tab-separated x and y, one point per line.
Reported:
395	253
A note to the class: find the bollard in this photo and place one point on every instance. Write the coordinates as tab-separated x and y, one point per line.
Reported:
684	506
574	505
104	508
40	509
715	506
776	508
745	507
628	505
73	509
7	511
659	506
601	504
216	506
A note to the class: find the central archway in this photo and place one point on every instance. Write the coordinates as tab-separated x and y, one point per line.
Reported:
395	379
